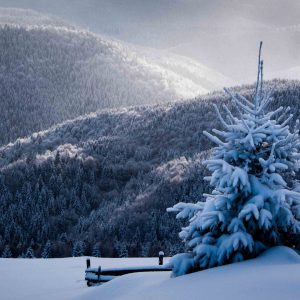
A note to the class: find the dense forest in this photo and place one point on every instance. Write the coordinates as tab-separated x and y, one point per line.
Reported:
50	74
100	184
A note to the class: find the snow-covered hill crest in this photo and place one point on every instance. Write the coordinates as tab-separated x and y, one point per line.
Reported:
29	17
51	71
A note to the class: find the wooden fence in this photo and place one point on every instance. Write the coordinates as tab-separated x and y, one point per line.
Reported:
95	276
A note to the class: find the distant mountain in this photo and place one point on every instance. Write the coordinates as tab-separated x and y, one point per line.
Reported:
51	71
107	178
28	17
291	73
222	34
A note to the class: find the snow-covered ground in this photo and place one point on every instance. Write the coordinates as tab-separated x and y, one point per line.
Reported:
274	275
55	279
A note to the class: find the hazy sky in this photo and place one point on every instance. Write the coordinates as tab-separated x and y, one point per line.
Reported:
222	34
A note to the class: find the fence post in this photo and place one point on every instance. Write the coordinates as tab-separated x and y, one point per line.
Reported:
88	263
161	258
99	273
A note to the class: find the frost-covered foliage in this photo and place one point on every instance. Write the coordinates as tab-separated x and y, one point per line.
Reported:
251	207
49	74
112	173
96	250
29	253
47	250
6	252
78	249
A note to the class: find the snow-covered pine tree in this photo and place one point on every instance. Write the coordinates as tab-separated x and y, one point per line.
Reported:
29	253
121	249
78	249
6	252
251	205
96	250
47	250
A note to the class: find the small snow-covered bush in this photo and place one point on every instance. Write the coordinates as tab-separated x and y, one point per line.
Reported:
251	205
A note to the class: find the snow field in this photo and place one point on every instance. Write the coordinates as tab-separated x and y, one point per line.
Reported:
274	275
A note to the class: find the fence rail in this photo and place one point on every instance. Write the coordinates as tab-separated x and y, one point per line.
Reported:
95	276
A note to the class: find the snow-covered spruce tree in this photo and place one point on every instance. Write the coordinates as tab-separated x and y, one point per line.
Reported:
47	250
29	253
78	249
6	252
121	249
251	206
96	250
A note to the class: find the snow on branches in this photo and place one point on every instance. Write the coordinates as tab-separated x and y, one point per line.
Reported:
252	204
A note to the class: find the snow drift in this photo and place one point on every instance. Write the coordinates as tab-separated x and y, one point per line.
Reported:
274	275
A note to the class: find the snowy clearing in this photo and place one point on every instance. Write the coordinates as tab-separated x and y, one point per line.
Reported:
57	278
274	275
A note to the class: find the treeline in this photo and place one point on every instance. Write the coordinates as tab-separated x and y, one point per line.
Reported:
100	184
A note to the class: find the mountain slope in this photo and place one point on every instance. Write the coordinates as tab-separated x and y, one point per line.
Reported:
111	174
50	75
51	71
222	34
291	73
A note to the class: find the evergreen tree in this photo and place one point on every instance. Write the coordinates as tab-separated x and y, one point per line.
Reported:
29	253
78	249
47	250
122	249
96	250
6	252
145	249
251	206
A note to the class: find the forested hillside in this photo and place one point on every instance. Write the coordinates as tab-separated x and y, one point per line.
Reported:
222	34
111	174
49	75
51	72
